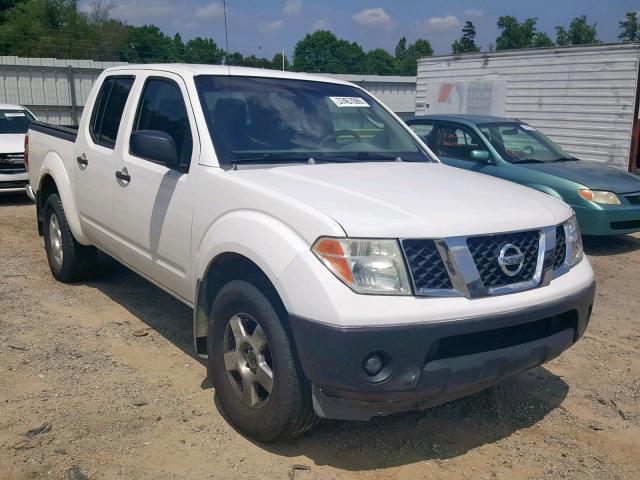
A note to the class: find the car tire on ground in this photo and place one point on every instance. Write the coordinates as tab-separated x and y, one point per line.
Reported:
69	261
254	367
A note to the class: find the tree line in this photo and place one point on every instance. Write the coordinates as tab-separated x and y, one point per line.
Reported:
57	28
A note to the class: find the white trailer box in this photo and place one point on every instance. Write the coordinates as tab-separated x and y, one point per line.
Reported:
584	98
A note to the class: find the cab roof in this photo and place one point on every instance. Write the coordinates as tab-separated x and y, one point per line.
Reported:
191	70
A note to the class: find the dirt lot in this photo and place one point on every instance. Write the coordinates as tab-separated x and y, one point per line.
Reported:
109	366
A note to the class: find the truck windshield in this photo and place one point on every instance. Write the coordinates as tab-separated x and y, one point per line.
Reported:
14	121
275	120
521	143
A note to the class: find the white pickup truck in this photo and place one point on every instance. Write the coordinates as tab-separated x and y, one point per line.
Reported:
335	267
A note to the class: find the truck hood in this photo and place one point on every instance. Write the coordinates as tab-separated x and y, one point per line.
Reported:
402	200
592	175
11	142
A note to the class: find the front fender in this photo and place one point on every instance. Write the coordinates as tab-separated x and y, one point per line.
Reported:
53	166
545	189
265	240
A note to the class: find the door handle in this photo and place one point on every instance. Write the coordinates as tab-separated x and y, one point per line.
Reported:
82	160
125	177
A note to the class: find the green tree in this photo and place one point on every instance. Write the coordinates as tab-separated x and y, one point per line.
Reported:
46	28
467	43
401	49
322	51
630	28
541	40
578	33
513	34
203	50
379	62
147	44
276	62
409	64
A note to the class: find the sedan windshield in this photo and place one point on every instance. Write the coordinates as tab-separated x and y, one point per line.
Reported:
14	121
275	120
521	143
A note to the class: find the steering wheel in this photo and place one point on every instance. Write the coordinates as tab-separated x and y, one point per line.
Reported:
338	133
528	150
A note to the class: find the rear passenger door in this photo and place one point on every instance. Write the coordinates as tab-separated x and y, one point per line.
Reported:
459	146
153	201
96	158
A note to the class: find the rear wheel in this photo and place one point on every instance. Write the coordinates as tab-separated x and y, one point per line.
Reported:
254	368
69	261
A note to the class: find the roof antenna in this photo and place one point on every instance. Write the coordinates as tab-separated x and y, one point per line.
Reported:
226	36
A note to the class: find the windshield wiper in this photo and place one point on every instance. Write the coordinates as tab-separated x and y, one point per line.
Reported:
528	160
366	156
565	159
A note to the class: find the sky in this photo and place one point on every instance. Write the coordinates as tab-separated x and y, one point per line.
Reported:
265	27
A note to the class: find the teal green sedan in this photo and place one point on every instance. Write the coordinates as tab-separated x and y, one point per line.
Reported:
606	200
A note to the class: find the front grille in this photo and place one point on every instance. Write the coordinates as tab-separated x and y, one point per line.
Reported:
486	249
560	254
11	163
634	199
15	184
425	264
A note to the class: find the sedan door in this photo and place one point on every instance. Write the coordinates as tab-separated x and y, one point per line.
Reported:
154	197
459	146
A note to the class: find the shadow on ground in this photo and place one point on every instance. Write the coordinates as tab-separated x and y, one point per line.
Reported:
13	199
614	245
442	432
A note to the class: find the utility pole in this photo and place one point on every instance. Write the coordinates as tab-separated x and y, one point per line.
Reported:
283	59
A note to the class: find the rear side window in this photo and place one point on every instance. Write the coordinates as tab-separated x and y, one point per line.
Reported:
162	108
107	112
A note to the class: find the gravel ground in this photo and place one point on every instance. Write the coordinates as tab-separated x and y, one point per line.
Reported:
98	380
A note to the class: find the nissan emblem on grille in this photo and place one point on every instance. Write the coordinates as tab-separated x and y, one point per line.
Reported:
511	260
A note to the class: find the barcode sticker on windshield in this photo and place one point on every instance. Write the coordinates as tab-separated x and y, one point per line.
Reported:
14	114
349	101
527	127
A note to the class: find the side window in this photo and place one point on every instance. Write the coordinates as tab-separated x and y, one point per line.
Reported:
162	108
107	112
425	131
457	142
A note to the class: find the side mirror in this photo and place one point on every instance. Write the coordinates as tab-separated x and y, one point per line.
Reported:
154	145
479	155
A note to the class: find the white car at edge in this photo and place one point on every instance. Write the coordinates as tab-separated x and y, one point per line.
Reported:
14	123
335	267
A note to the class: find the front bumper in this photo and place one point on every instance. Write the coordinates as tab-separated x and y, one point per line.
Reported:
610	220
435	362
13	182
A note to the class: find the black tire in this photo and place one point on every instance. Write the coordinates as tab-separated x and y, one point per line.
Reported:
78	261
288	411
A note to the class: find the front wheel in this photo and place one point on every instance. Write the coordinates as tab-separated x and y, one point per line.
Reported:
254	367
69	261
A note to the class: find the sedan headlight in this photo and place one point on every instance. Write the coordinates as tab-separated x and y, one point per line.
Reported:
374	266
600	196
573	241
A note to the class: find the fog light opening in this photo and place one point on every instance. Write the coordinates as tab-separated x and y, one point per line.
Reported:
373	364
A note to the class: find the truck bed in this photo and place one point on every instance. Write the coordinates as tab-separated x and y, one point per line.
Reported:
65	132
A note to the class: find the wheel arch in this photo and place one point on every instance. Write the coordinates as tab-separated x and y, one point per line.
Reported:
55	179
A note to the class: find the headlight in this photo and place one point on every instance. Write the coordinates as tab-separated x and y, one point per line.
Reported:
600	196
574	241
365	265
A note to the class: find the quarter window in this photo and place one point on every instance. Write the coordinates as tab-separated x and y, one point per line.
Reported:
457	142
162	108
107	113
